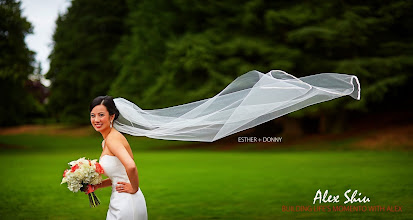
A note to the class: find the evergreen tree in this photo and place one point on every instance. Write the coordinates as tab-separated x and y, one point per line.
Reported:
15	65
81	67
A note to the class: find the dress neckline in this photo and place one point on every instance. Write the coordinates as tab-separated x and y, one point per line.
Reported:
106	155
103	144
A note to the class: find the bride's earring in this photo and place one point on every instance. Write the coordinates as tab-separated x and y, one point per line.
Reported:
111	124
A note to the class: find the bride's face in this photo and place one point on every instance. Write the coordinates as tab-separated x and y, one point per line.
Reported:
100	118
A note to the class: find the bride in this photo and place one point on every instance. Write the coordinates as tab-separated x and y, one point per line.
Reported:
127	200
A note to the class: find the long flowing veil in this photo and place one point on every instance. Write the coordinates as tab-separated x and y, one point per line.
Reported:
250	100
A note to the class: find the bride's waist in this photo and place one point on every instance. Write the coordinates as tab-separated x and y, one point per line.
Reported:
115	180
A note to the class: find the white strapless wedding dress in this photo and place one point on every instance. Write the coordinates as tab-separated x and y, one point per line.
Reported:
122	205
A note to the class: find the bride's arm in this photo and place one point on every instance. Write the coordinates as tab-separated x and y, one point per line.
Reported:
117	148
105	183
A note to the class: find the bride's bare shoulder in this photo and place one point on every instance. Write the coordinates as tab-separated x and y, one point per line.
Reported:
115	137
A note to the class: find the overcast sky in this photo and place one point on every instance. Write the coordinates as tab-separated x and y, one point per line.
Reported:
42	14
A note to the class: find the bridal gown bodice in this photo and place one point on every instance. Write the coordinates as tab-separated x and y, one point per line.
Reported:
122	205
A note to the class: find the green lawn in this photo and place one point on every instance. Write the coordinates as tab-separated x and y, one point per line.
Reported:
201	184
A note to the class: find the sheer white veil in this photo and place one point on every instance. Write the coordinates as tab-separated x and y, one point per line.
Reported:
250	100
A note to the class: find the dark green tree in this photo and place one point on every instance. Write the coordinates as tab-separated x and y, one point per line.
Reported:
15	65
180	51
142	50
81	67
370	39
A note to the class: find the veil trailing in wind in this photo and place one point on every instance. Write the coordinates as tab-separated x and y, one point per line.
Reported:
250	100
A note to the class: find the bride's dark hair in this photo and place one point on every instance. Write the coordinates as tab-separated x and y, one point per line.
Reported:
108	102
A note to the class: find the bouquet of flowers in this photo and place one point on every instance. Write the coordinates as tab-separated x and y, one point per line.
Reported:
81	175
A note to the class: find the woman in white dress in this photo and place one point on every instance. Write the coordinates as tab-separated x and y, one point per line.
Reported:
127	200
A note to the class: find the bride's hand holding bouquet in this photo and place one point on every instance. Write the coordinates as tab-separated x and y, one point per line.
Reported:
83	175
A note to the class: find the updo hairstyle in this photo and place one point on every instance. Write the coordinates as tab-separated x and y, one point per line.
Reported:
108	102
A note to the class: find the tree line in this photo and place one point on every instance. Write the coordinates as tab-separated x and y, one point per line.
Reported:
161	53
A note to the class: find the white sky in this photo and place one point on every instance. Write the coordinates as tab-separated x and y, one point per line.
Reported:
42	14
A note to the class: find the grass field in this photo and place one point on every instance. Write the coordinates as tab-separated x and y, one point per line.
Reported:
204	184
